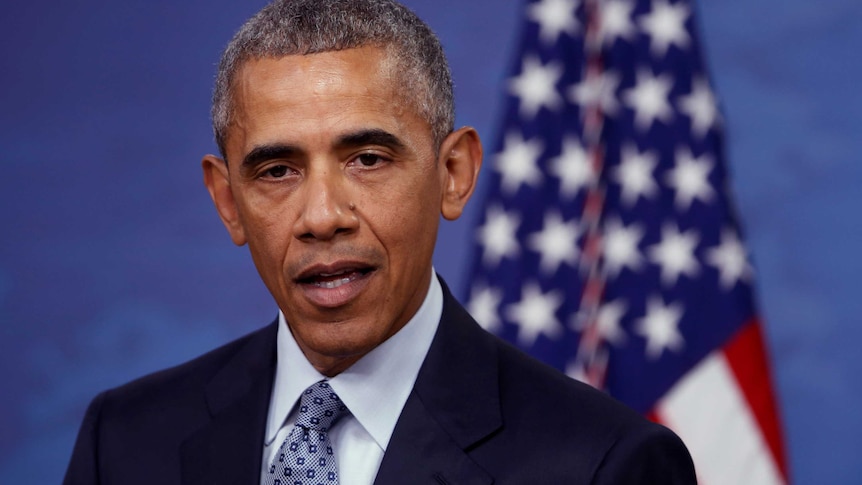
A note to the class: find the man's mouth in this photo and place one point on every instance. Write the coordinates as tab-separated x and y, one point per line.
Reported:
336	279
335	285
334	275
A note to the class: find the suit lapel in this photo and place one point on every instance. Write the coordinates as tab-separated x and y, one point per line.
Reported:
228	450
422	452
454	405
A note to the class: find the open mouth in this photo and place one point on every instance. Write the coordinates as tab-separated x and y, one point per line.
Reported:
333	278
336	284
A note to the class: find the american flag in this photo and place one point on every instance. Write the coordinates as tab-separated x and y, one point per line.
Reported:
608	244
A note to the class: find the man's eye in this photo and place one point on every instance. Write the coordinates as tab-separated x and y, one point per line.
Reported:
277	171
369	159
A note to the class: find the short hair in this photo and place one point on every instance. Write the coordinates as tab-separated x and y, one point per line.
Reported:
300	27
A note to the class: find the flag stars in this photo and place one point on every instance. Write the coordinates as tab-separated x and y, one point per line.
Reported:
730	258
554	17
620	247
609	321
690	178
572	167
518	163
649	99
484	306
665	25
536	86
700	107
600	89
635	174
535	314
675	254
497	235
616	20
556	243
660	328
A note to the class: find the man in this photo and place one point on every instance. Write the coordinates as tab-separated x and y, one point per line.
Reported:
334	119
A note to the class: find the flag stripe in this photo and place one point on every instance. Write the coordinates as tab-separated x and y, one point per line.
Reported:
709	410
747	359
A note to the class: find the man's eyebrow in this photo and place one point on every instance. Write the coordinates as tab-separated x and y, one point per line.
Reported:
370	137
262	153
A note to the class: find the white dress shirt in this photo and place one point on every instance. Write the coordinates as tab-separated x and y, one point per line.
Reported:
374	389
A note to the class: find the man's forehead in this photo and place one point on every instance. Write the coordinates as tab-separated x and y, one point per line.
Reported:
364	71
315	98
364	60
318	77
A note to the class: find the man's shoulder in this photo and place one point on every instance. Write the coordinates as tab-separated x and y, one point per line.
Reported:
526	385
144	424
529	383
193	376
602	436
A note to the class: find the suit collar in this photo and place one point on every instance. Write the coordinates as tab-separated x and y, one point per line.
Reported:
228	449
454	405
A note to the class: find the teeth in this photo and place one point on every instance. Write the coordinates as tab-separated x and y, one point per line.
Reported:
332	284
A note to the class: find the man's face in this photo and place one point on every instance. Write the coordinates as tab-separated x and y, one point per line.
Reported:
335	185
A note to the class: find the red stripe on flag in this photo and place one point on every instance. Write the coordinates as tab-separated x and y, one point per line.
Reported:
746	356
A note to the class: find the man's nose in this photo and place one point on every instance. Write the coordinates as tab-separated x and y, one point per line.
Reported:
327	210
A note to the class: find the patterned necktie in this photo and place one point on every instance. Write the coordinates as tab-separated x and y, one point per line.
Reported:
305	457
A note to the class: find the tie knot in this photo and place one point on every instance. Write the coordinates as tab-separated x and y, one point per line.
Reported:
319	407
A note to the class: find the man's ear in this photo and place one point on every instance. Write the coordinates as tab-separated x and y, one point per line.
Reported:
460	159
217	180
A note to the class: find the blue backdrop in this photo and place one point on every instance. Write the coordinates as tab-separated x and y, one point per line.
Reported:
114	263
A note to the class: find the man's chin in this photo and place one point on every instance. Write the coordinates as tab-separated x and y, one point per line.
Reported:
335	355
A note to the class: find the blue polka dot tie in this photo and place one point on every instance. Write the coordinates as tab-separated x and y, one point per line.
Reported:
305	457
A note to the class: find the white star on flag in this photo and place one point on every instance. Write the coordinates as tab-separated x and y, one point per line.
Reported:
535	314
536	86
497	235
635	174
556	243
572	167
675	254
616	20
554	18
518	162
620	247
730	258
665	25
601	89
660	328
609	321
700	106
690	178
483	306
649	99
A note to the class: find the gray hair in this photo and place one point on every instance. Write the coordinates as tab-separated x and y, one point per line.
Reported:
300	27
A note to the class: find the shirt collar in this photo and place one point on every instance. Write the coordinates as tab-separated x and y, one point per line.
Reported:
375	388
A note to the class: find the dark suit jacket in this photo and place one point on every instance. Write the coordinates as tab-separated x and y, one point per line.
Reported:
481	412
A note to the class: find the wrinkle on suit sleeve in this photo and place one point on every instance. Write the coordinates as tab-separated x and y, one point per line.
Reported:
651	455
84	465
